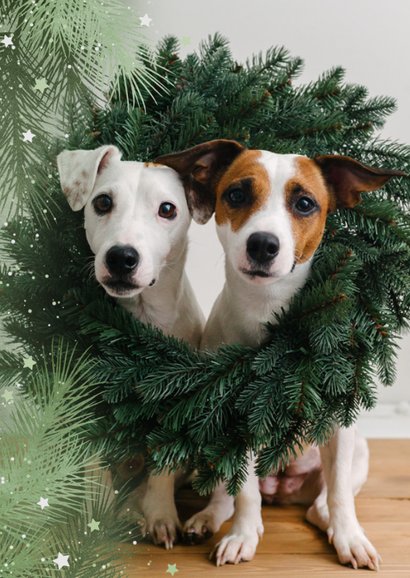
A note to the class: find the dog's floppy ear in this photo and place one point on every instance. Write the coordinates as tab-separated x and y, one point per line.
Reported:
200	168
78	170
347	178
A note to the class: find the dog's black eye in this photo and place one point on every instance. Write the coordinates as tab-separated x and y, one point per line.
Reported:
236	197
305	205
102	204
167	211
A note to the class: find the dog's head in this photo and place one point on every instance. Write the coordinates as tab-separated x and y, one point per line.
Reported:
270	209
136	215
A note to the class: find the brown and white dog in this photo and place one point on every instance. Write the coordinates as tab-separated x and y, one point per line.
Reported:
270	211
136	219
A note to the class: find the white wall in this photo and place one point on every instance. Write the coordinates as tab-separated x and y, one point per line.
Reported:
369	38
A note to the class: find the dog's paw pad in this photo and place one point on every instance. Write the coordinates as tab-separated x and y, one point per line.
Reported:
191	537
199	528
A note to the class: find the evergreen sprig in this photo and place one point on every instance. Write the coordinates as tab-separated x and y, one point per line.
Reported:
65	57
46	453
319	362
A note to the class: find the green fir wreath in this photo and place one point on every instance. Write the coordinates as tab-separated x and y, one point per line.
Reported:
317	369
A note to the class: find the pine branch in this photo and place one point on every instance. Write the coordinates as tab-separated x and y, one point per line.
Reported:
85	54
44	455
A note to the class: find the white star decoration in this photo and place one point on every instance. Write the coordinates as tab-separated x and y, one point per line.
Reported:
43	503
61	561
7	41
8	395
145	20
29	362
28	136
94	525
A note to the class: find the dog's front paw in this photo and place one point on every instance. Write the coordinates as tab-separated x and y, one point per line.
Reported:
353	547
163	528
200	527
236	547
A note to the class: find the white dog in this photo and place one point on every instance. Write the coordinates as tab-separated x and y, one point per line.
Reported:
270	212
136	222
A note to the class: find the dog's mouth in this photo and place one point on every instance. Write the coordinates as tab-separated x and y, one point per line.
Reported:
120	286
257	273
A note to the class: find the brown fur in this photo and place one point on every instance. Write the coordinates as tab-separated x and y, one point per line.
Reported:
152	164
308	230
246	165
347	178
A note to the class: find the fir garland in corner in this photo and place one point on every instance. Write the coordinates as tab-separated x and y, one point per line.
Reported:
52	516
318	366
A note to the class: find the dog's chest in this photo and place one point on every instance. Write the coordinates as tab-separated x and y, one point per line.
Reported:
171	308
160	315
244	314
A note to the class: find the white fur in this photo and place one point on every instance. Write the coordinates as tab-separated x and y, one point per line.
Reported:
137	191
238	315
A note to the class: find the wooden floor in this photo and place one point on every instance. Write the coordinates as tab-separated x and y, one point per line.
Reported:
290	546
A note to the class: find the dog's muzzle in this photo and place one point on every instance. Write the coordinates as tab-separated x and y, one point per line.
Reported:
261	250
121	262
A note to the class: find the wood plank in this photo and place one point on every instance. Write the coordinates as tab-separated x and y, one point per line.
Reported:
262	566
389	473
291	546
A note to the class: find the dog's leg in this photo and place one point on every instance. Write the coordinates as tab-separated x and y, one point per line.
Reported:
208	521
159	510
318	513
151	506
345	464
241	541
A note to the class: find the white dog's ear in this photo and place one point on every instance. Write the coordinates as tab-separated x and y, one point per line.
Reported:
200	168
78	171
347	178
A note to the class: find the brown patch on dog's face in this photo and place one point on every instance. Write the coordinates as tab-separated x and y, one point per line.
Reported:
245	175
308	228
152	164
248	176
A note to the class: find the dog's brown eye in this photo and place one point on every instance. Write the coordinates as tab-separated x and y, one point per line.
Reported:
102	204
305	205
236	197
167	211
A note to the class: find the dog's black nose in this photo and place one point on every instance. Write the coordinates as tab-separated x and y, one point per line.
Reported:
262	247
121	259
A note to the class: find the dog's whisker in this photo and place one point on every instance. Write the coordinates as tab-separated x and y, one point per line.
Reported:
89	268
